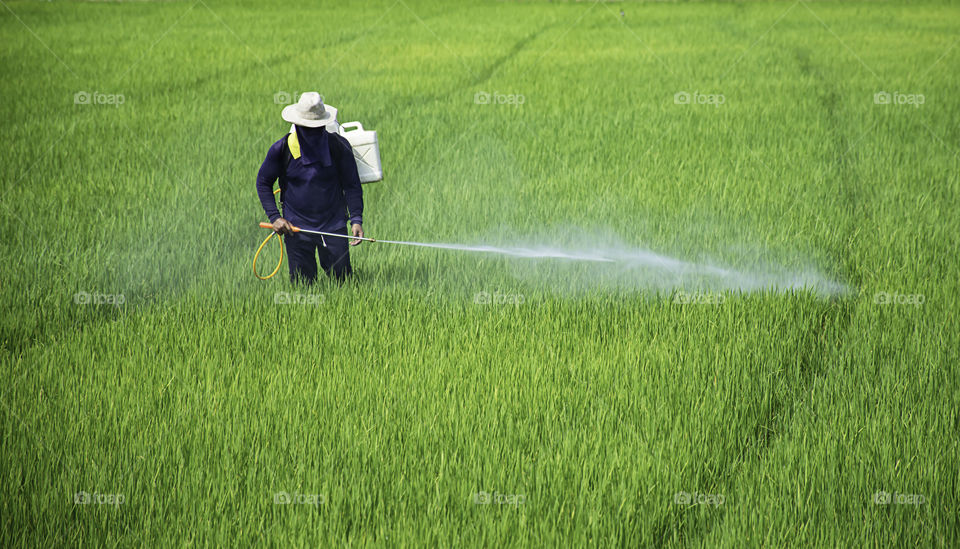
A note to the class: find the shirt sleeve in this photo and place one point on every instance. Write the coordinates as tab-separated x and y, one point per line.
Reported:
349	179
270	170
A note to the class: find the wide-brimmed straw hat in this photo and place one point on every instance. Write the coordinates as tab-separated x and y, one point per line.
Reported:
309	111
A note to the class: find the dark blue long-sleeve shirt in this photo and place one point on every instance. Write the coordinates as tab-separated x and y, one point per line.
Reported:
320	188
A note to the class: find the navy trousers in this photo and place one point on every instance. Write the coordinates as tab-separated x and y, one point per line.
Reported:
303	250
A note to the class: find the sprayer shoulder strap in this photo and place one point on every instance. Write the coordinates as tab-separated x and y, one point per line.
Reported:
287	157
293	145
333	154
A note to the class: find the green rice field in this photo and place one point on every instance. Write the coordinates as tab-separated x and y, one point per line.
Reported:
769	356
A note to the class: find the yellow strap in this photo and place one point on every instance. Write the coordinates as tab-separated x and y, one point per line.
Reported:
294	144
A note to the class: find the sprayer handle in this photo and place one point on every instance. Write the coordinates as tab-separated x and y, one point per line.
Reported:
351	126
266	225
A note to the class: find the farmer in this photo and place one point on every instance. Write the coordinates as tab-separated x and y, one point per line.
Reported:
319	184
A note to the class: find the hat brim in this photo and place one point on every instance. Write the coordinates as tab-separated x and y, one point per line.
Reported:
291	115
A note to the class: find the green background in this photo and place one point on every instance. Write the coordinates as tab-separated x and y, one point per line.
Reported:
398	397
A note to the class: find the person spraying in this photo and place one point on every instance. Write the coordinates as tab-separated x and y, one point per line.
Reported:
319	191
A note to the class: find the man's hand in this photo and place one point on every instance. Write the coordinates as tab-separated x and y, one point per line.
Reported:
357	231
282	226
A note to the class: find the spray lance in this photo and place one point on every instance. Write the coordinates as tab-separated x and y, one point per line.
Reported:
516	252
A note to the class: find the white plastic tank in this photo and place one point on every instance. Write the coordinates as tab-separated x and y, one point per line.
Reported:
366	150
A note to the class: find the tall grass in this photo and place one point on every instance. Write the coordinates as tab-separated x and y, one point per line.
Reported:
400	396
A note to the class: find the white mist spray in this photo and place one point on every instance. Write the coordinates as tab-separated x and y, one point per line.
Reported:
635	268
